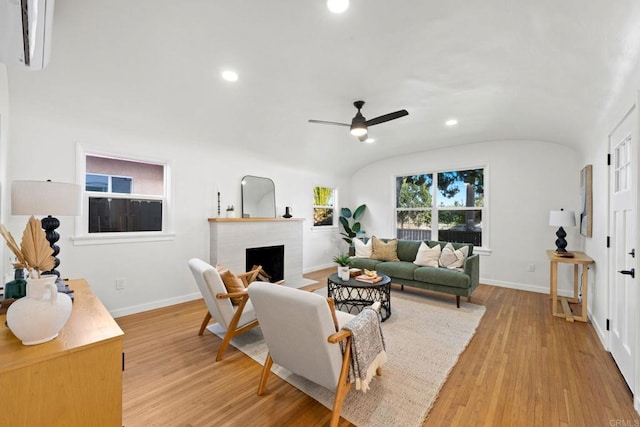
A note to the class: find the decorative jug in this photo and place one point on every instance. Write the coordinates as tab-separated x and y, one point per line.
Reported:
39	317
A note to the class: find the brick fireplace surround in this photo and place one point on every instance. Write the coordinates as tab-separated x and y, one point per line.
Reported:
230	237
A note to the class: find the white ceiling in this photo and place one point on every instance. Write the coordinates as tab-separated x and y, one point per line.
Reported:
506	69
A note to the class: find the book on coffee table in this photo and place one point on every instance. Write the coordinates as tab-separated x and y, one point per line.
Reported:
367	279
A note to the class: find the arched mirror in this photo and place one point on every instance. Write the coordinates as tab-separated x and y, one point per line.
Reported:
258	197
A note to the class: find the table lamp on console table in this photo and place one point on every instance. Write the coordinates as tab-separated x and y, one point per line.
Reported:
47	198
562	219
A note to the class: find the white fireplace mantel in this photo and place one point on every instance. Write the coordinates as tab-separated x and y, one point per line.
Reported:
230	237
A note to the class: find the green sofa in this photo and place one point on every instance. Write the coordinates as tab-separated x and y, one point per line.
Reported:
458	282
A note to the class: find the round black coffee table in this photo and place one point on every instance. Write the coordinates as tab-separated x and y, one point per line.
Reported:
354	294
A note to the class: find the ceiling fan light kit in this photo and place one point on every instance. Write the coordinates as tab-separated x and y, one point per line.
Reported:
359	125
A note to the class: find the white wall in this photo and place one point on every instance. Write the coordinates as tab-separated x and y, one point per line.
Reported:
156	273
524	181
4	138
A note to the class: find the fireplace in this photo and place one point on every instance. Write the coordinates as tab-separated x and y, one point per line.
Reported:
230	237
271	258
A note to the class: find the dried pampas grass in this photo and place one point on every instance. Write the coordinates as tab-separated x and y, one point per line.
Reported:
34	251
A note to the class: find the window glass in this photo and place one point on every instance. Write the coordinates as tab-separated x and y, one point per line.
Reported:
446	206
110	184
461	188
323	206
97	183
121	184
414	201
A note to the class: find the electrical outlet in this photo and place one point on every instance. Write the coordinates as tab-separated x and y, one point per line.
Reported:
531	268
120	284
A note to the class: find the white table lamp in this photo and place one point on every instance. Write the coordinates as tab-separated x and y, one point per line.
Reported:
47	198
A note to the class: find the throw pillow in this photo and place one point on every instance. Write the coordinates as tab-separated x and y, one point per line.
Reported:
233	284
426	256
384	251
363	250
453	258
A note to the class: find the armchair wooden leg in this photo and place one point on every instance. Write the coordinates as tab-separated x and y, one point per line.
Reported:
458	301
224	344
343	385
205	322
265	374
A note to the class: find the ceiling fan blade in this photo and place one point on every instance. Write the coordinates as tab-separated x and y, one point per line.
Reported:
324	122
387	117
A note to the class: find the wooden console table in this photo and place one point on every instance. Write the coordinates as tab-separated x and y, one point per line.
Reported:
580	259
73	380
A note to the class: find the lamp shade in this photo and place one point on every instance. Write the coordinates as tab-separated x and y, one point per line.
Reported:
45	198
562	218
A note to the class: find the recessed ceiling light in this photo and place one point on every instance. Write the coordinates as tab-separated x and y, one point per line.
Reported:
338	6
369	140
230	76
451	122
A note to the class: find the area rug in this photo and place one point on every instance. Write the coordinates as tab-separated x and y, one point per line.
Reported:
424	338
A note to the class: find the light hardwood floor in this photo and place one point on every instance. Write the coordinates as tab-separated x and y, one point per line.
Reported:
522	368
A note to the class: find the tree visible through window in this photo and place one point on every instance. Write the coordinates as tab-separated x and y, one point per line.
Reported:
441	206
323	206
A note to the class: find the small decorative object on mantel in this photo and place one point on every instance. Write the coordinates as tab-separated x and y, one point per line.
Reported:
38	317
287	212
230	211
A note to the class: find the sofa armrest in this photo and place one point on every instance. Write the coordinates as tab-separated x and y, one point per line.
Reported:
472	269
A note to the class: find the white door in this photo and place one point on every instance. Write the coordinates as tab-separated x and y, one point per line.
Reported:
622	225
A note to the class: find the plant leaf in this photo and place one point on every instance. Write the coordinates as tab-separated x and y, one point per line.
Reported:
359	211
11	243
35	247
345	212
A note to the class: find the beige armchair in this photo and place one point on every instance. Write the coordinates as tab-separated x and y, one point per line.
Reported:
302	333
234	319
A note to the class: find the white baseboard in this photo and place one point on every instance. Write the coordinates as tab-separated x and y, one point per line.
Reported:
602	333
319	267
523	287
154	304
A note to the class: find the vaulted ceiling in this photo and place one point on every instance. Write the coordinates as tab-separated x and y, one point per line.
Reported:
539	70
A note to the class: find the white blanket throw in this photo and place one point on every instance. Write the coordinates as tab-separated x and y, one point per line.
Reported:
367	347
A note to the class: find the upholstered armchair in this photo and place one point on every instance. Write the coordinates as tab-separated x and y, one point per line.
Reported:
302	333
235	319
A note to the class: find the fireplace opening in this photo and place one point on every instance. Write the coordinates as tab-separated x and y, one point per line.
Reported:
271	258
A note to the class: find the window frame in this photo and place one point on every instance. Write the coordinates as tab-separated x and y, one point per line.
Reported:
336	212
82	235
435	209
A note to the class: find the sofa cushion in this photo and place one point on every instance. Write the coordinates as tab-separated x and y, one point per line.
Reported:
385	251
455	245
453	258
362	250
427	257
408	249
368	263
397	269
442	276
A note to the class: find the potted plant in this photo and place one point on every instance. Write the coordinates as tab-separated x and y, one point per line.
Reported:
351	230
230	210
344	262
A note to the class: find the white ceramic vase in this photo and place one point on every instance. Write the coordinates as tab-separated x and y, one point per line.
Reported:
38	317
343	272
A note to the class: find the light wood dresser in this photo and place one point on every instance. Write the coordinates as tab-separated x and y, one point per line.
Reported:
73	380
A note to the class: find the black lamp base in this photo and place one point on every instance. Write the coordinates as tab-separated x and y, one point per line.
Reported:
561	244
49	224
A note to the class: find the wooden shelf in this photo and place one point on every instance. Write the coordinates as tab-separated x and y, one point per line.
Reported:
221	219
